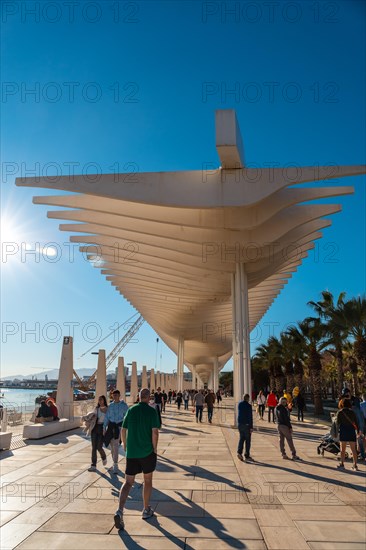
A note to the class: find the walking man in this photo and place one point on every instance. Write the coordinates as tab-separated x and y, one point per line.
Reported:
140	434
285	429
186	399
199	401
245	427
271	404
112	426
210	400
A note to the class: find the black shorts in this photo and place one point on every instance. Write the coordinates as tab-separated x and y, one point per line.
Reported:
135	466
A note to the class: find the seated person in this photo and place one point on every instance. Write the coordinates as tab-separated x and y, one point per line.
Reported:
54	410
44	413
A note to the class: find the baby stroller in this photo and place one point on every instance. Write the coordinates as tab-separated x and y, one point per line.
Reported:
329	444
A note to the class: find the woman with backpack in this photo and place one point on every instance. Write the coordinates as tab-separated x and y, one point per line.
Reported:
348	428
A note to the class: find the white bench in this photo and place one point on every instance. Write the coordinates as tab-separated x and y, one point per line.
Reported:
5	440
37	431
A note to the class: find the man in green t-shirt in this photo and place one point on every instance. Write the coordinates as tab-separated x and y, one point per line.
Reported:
140	434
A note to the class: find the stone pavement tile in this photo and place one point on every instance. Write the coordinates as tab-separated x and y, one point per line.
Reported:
284	538
337	546
17	503
337	531
313	499
79	523
34	516
215	461
223	477
205	527
348	495
179	509
82	506
272	518
61	471
7	515
223	510
11	537
317	513
216	496
223	544
71	541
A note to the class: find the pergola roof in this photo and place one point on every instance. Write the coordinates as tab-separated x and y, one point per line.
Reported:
168	241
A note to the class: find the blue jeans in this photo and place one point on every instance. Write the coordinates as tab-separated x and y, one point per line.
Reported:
245	435
199	410
209	413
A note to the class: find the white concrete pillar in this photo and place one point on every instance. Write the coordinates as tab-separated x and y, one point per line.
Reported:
152	380
162	380
101	384
158	380
121	377
144	378
216	375
65	397
134	386
247	382
210	381
180	363
193	386
241	343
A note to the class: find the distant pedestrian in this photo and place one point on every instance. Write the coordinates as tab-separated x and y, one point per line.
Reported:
165	399
210	400
199	401
348	427
170	393
261	401
245	427
186	399
179	399
271	404
285	429
94	425
112	426
218	397
140	434
300	402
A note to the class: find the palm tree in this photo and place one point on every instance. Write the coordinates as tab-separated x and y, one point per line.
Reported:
354	315
351	362
270	355
311	332
297	345
330	312
287	344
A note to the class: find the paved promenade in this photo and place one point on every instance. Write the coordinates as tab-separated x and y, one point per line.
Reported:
204	498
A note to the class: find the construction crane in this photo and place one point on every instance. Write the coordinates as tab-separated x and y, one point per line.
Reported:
86	385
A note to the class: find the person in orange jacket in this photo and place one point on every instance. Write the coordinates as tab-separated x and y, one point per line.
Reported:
271	404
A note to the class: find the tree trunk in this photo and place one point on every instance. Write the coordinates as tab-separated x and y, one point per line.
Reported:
299	375
360	352
316	380
353	367
340	371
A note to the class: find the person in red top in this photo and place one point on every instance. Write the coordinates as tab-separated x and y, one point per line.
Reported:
271	404
54	410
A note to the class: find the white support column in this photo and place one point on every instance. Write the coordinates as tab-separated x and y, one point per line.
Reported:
247	382
163	381
134	387
180	363
241	343
194	377
210	381
101	385
64	397
121	377
152	380
144	378
216	375
158	380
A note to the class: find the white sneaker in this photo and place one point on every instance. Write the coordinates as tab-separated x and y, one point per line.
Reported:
92	469
104	462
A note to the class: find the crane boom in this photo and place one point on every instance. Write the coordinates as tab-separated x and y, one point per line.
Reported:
115	351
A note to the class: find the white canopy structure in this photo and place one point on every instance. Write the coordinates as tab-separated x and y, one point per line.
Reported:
200	254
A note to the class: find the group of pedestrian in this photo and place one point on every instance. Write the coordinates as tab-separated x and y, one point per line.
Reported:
245	426
271	400
47	411
350	427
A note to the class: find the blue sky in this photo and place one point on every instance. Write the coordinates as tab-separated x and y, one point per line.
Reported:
141	86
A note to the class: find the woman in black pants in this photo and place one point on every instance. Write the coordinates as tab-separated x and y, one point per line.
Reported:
300	402
97	433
